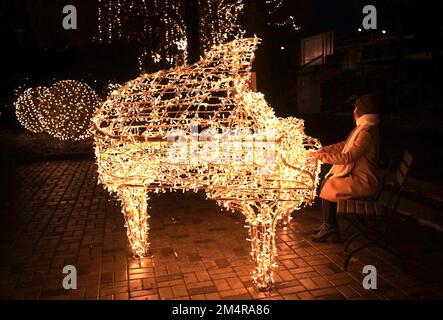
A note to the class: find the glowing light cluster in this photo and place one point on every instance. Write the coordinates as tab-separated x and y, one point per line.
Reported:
290	20
200	127
63	110
158	26
27	108
161	28
67	108
219	22
273	8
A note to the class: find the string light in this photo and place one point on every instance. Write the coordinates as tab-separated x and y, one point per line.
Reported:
274	7
219	22
66	110
291	20
27	109
277	6
163	29
200	127
113	86
100	21
160	28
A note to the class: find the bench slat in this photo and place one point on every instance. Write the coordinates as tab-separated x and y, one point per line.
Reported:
369	208
341	207
360	207
350	207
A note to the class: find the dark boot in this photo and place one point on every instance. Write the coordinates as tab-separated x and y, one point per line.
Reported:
328	234
318	228
327	215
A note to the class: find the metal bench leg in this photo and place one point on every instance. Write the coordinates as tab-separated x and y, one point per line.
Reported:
348	241
377	244
347	232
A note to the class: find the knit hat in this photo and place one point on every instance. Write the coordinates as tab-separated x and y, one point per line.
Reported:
367	104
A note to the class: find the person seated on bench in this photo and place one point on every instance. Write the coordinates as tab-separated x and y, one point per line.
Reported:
355	172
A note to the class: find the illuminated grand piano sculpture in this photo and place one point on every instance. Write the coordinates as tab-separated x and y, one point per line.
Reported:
199	127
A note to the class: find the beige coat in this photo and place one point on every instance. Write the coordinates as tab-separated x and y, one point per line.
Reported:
355	172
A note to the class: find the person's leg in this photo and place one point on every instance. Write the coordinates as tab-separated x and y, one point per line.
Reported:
329	212
329	231
324	211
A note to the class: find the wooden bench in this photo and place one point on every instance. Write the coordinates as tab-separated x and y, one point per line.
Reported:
370	219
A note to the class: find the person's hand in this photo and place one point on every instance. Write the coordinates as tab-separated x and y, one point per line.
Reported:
314	156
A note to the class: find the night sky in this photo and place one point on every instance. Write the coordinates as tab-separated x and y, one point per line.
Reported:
36	46
36	23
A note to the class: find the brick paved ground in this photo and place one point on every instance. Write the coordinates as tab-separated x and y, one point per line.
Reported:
55	214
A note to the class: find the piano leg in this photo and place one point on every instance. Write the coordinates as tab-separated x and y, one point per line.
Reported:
264	252
134	203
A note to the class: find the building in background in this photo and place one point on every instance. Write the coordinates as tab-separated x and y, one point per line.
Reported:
314	52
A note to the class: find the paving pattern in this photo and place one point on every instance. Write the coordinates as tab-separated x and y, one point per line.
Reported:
54	214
